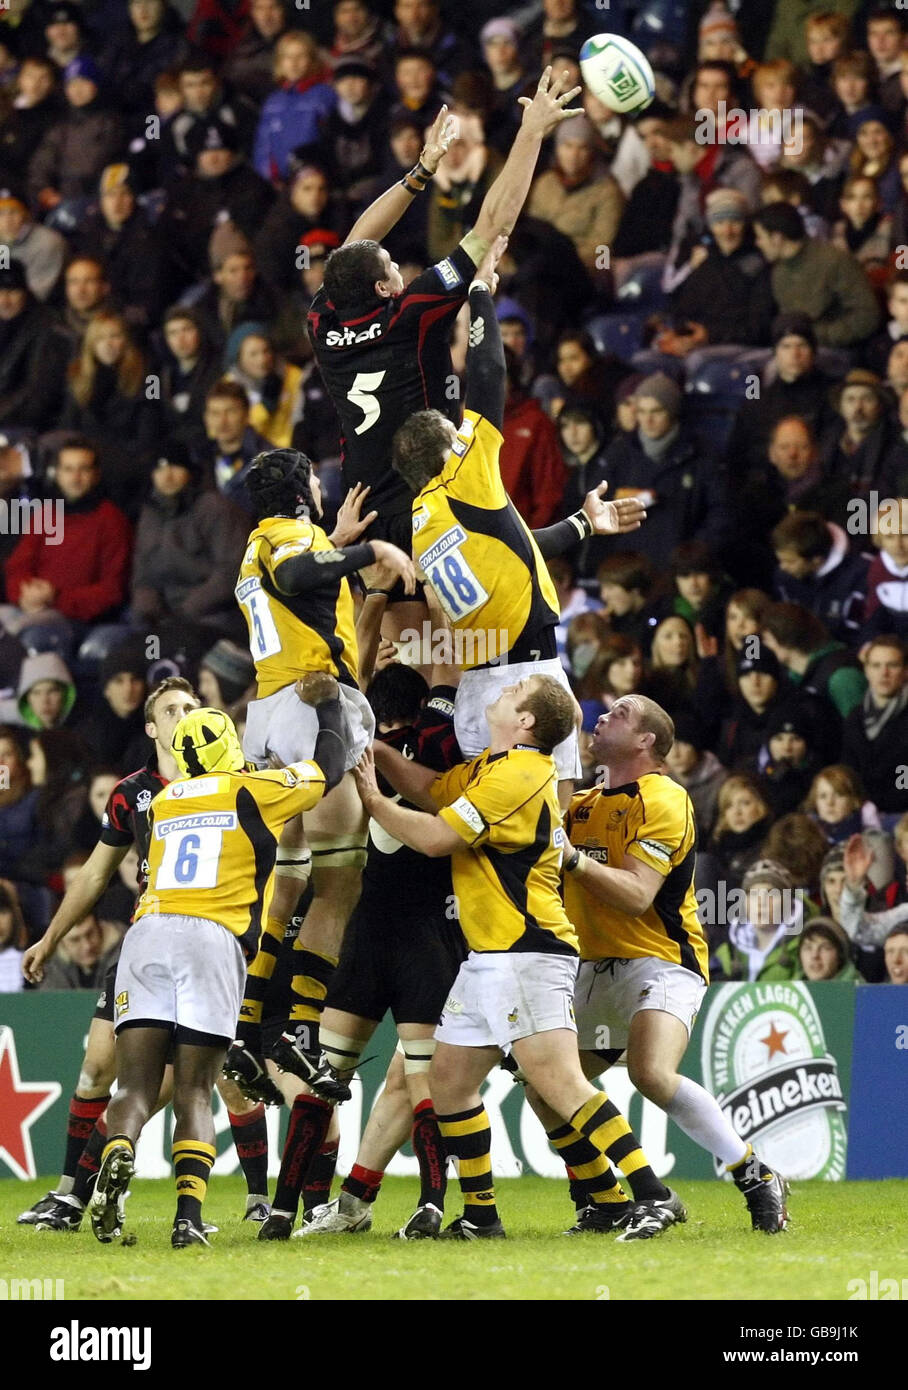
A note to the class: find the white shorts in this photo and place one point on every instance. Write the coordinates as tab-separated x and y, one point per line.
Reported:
500	997
283	725
479	689
188	971
609	993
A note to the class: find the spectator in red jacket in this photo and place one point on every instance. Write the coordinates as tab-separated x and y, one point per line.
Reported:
78	575
532	468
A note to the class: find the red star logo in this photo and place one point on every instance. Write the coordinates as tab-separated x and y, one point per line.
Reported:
21	1104
773	1040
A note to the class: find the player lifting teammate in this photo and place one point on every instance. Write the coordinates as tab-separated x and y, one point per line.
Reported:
124	824
500	820
180	978
629	891
294	593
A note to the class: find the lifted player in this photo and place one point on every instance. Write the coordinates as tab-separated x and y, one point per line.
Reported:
294	594
382	349
124	824
180	978
485	566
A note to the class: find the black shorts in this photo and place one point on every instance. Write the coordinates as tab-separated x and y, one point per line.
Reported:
397	529
407	965
105	1006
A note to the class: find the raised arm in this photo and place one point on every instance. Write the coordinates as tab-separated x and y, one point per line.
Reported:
387	210
596	517
504	201
486	374
299	573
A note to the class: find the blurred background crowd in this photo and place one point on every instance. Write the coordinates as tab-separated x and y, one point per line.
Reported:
714	317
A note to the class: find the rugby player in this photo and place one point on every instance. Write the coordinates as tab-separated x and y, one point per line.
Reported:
500	820
629	891
294	594
382	349
485	566
124	824
401	951
212	849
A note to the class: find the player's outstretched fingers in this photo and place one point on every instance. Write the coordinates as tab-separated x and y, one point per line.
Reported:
317	687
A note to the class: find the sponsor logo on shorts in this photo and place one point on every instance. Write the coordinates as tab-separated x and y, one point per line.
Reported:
448	274
121	1002
512	1016
453	1006
468	814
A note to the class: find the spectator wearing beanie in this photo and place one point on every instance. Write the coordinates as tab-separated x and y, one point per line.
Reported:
114	728
787	760
697	769
40	250
577	196
354	133
274	387
824	952
685	489
798	387
189	367
33	355
66	166
760	694
236	293
817	279
856	445
763	933
727	298
221	182
189	542
226	674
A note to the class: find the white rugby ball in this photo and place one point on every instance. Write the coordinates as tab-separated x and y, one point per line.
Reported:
617	73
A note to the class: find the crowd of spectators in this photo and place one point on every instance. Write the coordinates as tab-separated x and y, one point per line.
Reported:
715	318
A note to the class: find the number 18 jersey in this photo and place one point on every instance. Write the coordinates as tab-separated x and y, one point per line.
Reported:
480	557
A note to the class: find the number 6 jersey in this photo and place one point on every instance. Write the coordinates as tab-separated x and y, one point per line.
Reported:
479	556
213	842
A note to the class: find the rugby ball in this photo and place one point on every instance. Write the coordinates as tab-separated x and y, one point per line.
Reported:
617	73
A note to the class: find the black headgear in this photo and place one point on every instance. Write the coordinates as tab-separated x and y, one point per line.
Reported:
279	484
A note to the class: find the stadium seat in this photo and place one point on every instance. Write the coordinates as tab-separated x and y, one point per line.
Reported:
661	22
642	287
723	378
621	334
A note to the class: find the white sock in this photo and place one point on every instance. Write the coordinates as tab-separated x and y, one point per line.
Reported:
698	1114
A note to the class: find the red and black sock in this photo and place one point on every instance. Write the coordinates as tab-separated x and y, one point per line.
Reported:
363	1183
83	1114
317	1187
309	1121
429	1149
90	1161
250	1136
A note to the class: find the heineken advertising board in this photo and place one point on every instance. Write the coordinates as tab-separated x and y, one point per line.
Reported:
778	1056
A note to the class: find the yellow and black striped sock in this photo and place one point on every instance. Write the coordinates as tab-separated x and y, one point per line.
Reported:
604	1125
312	973
192	1162
249	1028
117	1141
590	1172
468	1138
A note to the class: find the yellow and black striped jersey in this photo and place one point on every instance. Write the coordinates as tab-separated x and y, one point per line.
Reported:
651	820
508	885
293	633
478	554
213	843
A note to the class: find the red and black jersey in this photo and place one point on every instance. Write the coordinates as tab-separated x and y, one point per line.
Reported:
403	879
125	819
382	366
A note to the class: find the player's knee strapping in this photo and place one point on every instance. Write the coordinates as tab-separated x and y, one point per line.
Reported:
339	851
310	982
418	1054
468	1138
343	1053
295	864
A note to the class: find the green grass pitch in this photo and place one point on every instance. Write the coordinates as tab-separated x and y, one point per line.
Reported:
840	1231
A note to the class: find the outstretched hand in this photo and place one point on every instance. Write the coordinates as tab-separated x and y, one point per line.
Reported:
548	108
366	779
444	131
613	518
350	523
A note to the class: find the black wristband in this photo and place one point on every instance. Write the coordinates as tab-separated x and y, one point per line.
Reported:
571	864
582	522
415	181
